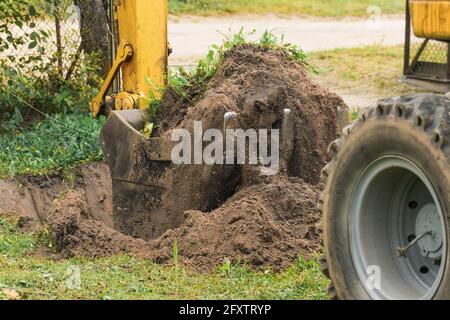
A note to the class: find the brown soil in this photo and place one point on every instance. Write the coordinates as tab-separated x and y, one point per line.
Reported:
35	198
77	236
267	225
260	221
259	84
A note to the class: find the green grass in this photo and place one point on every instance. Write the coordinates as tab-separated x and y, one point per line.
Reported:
321	8
370	70
53	144
22	270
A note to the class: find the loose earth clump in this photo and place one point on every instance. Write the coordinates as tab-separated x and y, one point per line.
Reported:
259	83
262	221
264	225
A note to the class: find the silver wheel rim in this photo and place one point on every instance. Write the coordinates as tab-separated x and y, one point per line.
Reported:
392	205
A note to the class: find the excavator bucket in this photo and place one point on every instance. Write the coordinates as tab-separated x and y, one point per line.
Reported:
150	192
120	140
137	168
147	194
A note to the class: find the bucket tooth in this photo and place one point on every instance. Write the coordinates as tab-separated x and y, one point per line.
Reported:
229	119
287	138
230	122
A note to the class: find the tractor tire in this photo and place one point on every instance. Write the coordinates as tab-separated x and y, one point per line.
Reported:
386	203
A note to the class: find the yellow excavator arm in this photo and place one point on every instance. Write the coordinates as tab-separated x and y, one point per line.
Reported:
141	55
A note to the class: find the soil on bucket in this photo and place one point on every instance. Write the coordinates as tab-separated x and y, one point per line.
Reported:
264	221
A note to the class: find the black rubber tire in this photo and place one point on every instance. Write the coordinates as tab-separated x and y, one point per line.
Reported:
415	127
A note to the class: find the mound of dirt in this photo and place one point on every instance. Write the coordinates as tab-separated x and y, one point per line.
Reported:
261	221
259	83
265	225
268	224
77	236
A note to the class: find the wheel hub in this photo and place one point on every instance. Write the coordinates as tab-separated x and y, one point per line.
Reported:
398	228
429	222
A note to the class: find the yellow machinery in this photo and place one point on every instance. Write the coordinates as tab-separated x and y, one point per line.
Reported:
431	19
427	62
141	54
142	171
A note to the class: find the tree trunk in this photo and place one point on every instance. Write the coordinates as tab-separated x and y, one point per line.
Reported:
94	29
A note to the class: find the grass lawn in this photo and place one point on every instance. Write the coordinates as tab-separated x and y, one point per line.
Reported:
371	70
24	274
54	144
320	8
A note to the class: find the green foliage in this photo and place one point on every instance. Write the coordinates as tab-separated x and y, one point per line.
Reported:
52	144
20	14
21	96
123	277
187	83
354	114
154	97
35	77
293	51
19	22
153	100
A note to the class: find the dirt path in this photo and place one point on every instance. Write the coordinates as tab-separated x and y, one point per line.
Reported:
191	37
357	100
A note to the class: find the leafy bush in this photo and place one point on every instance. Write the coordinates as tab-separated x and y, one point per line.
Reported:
36	78
16	13
54	144
21	96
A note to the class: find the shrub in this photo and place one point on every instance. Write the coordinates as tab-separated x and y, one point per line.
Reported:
38	75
